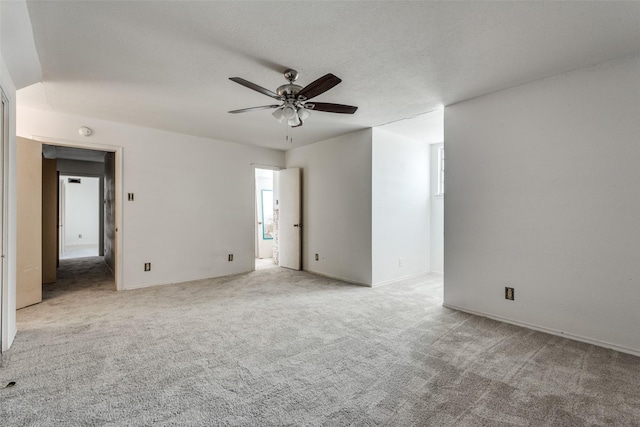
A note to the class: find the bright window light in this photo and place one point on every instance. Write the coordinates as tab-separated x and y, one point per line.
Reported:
440	171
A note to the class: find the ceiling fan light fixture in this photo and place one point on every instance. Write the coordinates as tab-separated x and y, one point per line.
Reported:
294	121
303	113
278	114
289	112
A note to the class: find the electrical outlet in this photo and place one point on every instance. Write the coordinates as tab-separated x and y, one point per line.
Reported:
509	294
147	266
317	257
400	262
230	257
130	197
79	236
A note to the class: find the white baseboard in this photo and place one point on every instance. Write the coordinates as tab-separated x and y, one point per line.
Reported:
342	279
145	285
556	332
401	279
375	285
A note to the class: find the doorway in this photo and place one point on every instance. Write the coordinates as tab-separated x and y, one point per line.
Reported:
86	162
80	220
79	216
266	252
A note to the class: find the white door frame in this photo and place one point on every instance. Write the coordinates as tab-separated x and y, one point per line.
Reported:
4	219
118	187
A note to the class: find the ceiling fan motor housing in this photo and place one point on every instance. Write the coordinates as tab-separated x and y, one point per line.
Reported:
289	90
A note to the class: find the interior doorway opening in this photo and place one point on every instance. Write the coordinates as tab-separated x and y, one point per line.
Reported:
79	208
78	216
266	252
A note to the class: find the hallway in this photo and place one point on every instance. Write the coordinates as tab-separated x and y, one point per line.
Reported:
80	275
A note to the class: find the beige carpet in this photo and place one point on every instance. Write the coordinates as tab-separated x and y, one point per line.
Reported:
278	347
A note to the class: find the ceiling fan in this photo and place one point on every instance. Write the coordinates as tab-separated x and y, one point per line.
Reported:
295	106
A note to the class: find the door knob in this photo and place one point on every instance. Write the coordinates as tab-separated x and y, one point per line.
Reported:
295	225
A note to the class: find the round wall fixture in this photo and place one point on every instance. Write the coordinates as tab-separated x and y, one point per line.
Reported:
85	131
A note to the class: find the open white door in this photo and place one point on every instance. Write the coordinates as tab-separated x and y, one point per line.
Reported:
290	227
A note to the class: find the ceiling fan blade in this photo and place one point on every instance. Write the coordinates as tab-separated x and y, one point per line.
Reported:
254	86
333	108
320	86
244	110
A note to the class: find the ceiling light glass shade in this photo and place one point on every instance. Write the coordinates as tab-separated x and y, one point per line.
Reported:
294	121
278	114
289	112
303	114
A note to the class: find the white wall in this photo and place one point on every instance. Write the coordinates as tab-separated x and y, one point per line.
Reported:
8	311
19	67
400	207
437	215
336	205
542	194
81	211
194	197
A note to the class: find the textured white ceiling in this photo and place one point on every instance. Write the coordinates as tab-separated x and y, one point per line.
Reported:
17	44
166	64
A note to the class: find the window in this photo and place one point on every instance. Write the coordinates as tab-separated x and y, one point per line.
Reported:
440	171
